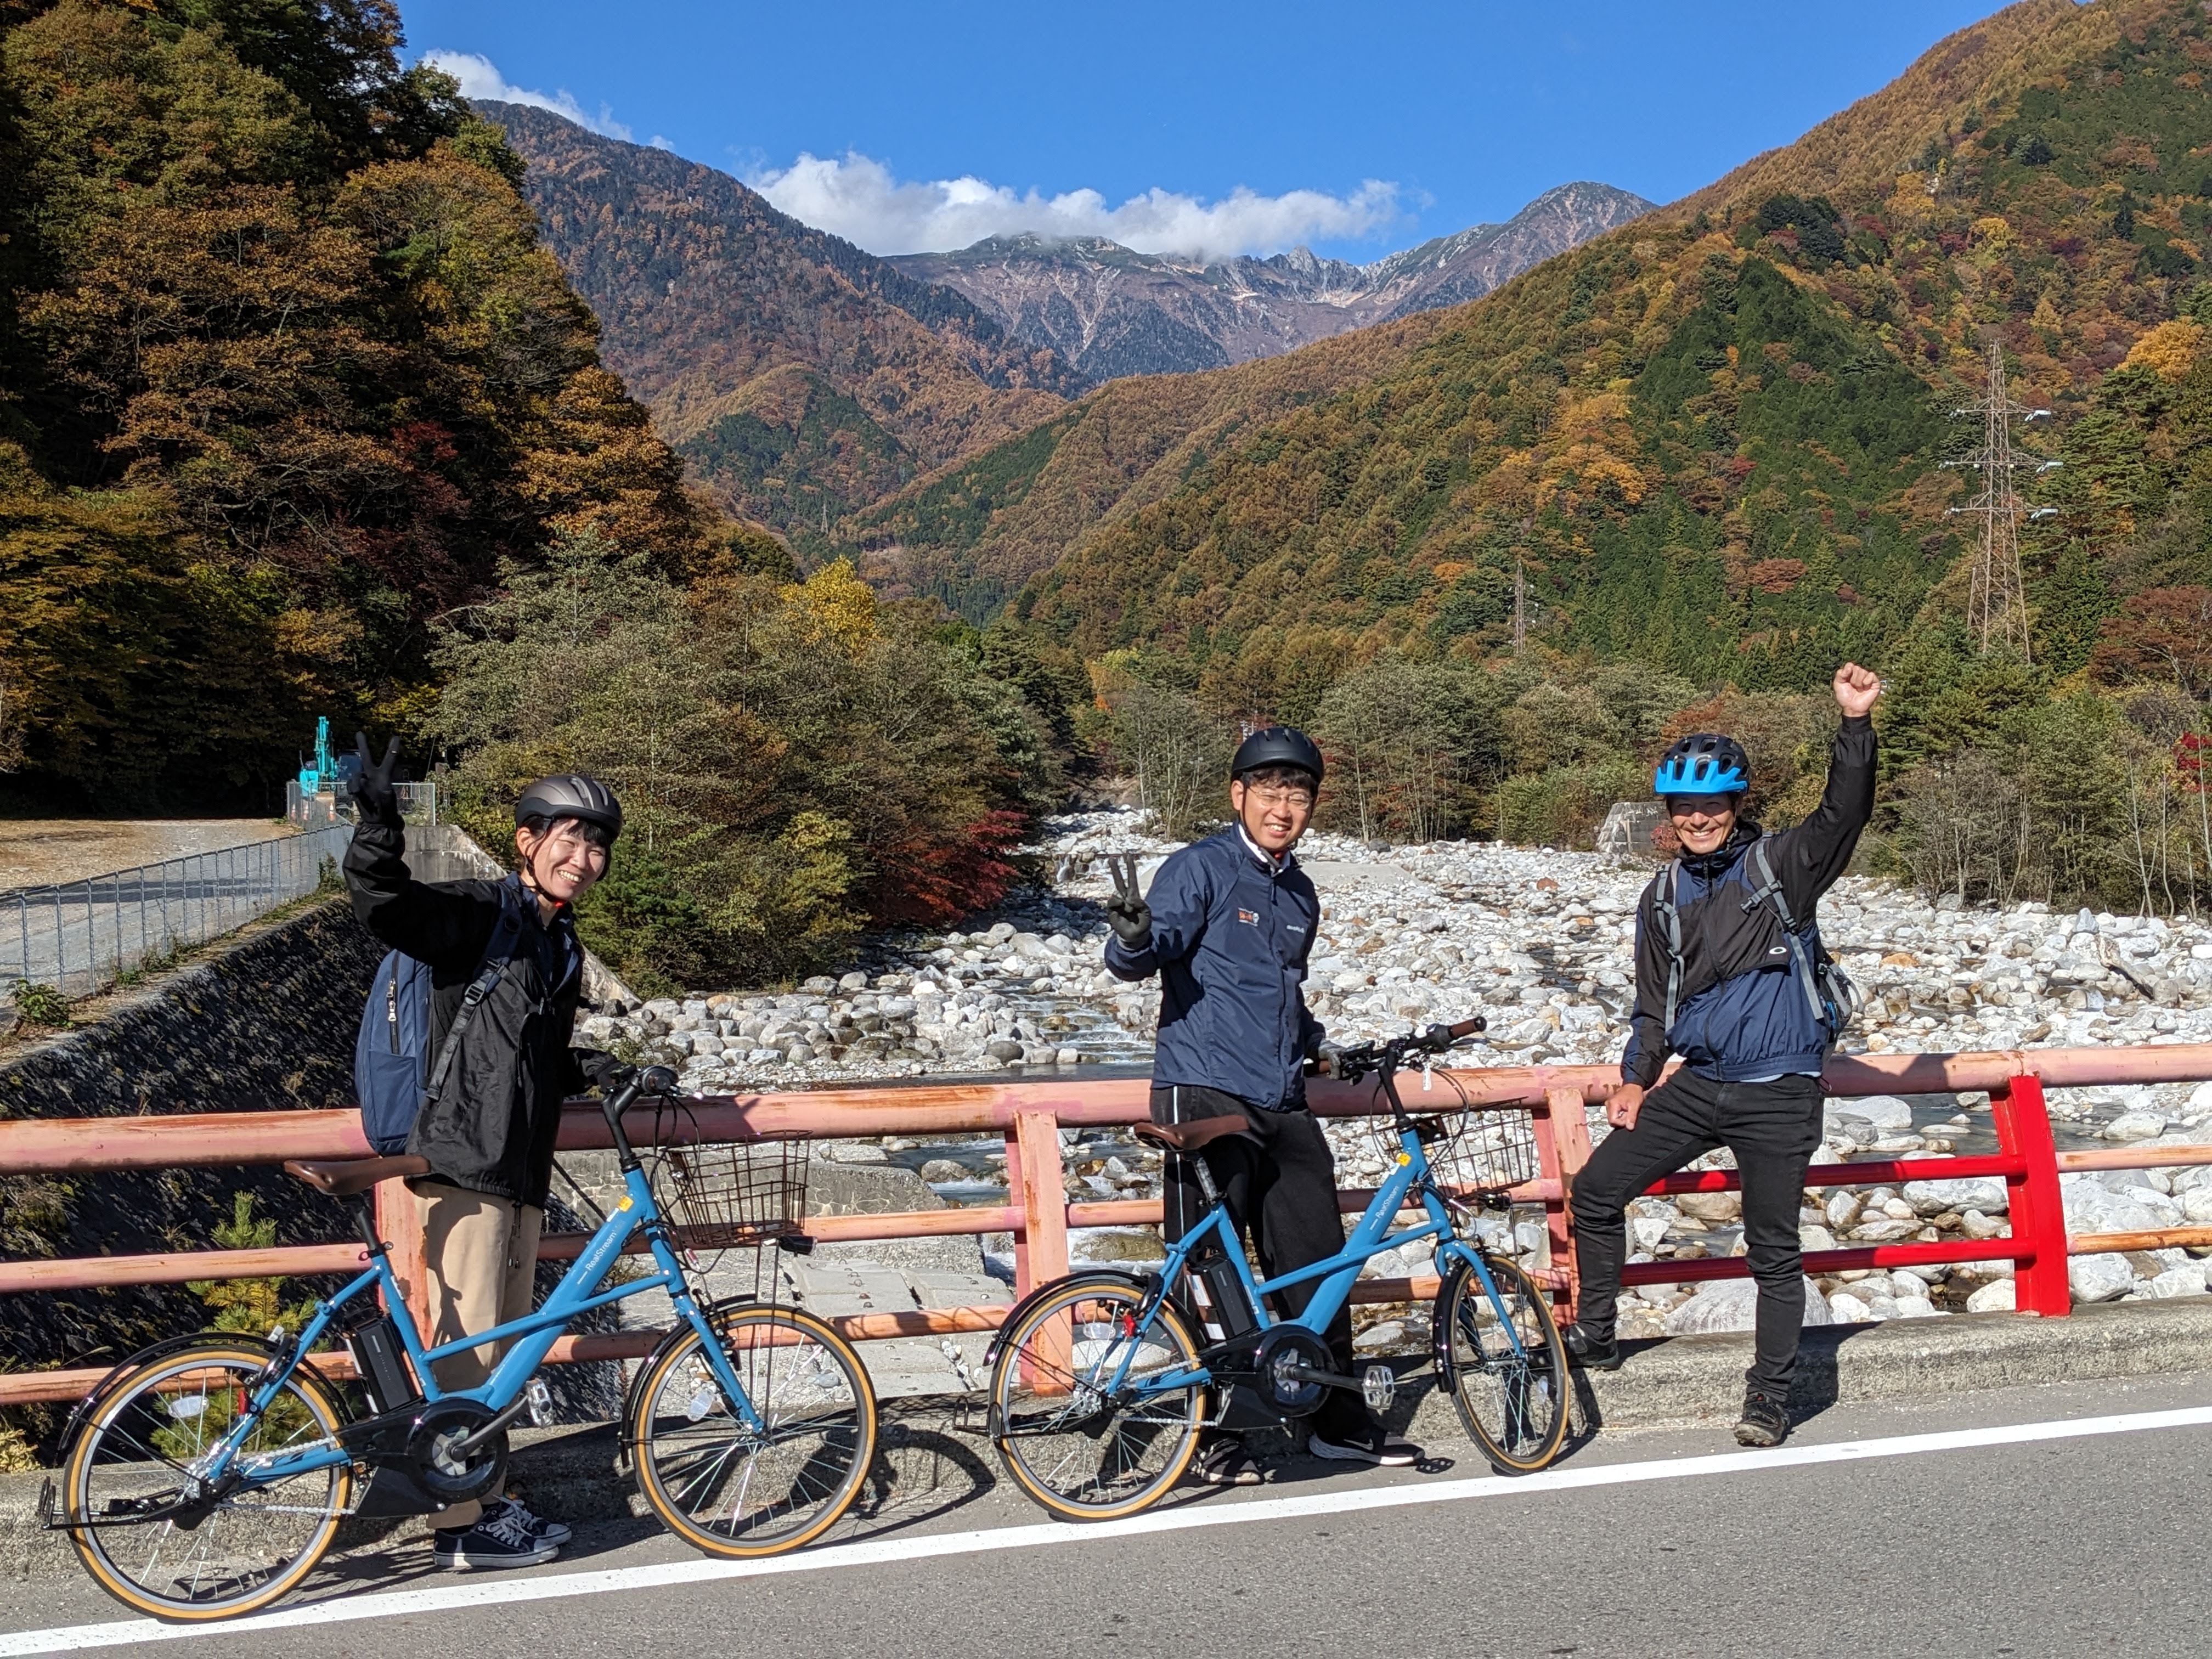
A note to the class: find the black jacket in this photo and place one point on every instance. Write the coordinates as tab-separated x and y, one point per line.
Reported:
491	1129
1741	1011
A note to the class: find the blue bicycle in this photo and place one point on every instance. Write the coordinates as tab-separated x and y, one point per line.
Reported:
205	1477
1100	1386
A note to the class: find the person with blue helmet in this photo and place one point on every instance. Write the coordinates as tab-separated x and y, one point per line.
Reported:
1731	976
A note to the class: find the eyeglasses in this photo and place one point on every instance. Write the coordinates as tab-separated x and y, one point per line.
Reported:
1279	794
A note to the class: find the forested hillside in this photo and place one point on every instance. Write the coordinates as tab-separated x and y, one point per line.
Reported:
800	376
1713	442
297	419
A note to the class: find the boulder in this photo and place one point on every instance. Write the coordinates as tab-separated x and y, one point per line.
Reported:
1888	1115
1730	1304
1986	1194
2100	1277
2186	1280
2135	1126
1999	1296
1710	1206
1844	1309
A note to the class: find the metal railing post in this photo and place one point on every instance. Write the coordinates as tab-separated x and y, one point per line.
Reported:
1563	1146
1040	1248
2034	1200
399	1225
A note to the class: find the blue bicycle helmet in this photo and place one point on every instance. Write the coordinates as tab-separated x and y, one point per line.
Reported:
1703	764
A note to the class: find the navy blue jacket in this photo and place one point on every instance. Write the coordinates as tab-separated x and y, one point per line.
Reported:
1741	1011
1231	936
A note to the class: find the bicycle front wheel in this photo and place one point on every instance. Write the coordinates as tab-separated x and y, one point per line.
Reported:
1071	1439
148	1440
734	1491
1506	1367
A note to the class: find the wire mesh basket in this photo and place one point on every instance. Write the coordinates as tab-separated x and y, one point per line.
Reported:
1485	1150
733	1193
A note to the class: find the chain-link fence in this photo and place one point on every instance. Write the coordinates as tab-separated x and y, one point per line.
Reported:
80	936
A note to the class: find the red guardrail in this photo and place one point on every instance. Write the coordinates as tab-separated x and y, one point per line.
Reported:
1030	1116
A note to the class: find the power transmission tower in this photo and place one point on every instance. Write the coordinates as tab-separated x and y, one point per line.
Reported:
1996	599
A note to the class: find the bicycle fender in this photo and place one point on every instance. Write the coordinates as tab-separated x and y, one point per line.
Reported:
98	1393
1141	1284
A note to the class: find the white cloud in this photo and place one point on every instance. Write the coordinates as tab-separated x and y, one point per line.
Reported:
480	78
857	197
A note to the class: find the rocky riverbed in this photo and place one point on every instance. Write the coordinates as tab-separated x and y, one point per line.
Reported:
1538	941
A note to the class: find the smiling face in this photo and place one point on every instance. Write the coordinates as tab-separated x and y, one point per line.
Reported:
563	863
1275	805
1702	822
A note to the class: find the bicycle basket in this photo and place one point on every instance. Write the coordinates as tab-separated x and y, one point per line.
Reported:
738	1193
1491	1150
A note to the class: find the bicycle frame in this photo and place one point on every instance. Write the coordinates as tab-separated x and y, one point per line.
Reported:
1337	1274
533	1336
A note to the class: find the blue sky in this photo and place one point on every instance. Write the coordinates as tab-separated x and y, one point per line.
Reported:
1193	126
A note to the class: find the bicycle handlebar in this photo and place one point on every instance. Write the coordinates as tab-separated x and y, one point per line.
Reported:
1354	1063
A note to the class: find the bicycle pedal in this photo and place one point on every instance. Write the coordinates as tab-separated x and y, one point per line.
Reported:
541	1403
1378	1387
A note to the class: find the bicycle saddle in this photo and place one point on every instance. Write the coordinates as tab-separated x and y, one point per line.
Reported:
1189	1137
343	1178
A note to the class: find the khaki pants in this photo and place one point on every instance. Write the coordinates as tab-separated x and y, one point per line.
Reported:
480	1255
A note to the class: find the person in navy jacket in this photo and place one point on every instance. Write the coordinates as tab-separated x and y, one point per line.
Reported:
1228	926
1730	976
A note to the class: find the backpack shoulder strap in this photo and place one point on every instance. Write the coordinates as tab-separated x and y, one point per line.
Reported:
1666	901
498	958
1801	954
1769	890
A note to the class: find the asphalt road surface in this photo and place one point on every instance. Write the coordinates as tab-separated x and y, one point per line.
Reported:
2062	1520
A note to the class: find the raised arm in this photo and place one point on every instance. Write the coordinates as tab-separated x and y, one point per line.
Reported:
1176	911
1813	854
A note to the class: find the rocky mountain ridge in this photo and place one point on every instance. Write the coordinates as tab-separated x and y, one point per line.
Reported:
1110	311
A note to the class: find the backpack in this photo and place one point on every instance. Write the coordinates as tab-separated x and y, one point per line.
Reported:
389	1054
1828	990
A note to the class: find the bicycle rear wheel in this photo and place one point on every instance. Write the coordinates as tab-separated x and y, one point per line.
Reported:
149	1435
1079	1450
1504	1364
731	1491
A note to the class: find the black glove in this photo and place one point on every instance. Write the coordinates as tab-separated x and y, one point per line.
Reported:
1126	913
374	796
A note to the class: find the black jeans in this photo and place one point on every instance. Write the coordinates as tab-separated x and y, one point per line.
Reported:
1280	1183
1773	1129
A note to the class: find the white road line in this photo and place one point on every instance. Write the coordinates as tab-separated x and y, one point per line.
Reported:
482	1593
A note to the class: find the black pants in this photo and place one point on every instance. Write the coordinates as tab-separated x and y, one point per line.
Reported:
1280	1183
1773	1129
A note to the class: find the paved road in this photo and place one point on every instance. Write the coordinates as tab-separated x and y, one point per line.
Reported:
1992	1525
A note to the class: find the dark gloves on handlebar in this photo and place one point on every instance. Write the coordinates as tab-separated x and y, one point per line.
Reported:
1328	1060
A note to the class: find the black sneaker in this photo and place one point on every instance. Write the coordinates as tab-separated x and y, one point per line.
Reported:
1764	1422
556	1533
1374	1444
1226	1463
1593	1352
496	1541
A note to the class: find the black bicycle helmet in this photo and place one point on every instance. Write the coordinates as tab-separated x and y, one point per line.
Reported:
1703	764
1277	745
571	795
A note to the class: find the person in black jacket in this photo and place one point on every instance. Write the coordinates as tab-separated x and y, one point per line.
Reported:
1723	983
1229	925
488	1135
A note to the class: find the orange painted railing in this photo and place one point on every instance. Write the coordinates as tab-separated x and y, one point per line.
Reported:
1030	1116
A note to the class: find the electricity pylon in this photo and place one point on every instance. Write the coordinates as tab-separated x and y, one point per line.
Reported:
1996	599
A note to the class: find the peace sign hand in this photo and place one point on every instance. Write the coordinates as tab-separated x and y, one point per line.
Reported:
1126	913
374	793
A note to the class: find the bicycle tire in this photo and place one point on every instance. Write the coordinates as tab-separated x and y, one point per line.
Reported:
1068	1463
132	1440
812	1394
1513	1404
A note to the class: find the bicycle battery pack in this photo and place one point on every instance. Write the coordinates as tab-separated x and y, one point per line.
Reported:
382	1362
1222	1302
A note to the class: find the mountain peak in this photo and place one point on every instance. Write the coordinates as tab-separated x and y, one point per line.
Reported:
1109	311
